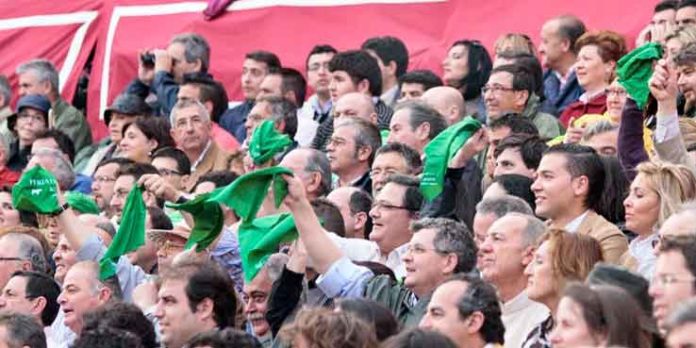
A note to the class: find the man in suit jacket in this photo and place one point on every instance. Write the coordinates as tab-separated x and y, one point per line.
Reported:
568	188
192	131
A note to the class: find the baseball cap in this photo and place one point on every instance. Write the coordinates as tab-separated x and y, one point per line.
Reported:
127	104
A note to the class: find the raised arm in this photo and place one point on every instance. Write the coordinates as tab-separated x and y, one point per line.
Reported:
669	143
320	248
631	148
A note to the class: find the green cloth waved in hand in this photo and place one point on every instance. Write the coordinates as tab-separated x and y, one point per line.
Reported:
130	235
635	69
266	142
259	239
208	220
246	194
36	191
440	151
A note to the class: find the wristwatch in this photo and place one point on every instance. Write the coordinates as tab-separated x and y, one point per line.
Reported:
63	208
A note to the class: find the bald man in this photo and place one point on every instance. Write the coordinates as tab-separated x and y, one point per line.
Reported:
447	101
355	105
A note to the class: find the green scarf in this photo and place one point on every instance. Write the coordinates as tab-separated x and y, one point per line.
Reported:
266	142
246	194
36	192
259	239
207	220
82	203
130	235
634	71
440	151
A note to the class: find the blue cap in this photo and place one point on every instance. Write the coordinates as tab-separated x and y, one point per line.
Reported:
34	101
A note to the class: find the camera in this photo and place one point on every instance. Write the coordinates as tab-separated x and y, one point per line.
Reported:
148	59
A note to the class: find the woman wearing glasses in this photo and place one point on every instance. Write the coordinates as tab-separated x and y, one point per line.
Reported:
31	119
467	67
657	191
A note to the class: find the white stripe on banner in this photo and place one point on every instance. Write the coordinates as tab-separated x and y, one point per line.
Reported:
199	6
85	18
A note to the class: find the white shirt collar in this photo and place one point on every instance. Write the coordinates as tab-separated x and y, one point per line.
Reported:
586	97
573	226
390	96
201	157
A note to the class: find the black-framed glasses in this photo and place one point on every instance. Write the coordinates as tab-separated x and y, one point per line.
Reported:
387	206
496	89
3	259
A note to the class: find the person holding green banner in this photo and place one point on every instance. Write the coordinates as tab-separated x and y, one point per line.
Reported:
88	247
664	87
424	270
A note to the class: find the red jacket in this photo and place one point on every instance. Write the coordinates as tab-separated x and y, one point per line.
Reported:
8	177
596	105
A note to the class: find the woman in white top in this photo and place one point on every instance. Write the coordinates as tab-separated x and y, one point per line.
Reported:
657	191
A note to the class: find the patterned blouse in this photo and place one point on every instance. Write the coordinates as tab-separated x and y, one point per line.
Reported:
539	337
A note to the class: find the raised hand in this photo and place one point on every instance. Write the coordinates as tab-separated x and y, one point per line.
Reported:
473	146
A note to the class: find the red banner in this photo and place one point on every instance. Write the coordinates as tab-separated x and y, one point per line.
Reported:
287	27
63	32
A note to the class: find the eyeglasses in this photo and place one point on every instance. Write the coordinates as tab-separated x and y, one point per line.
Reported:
194	121
419	249
30	116
387	206
496	89
3	259
168	172
103	179
619	92
665	279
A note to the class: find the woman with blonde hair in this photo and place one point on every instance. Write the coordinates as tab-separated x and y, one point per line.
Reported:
676	38
657	191
323	328
561	257
515	43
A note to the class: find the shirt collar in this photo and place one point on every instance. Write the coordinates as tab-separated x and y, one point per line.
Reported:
390	96
317	106
586	97
201	157
573	226
517	303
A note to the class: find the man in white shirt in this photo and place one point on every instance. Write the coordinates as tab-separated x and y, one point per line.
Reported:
505	252
318	106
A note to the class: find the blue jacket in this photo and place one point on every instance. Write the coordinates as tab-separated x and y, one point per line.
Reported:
164	87
233	120
556	98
